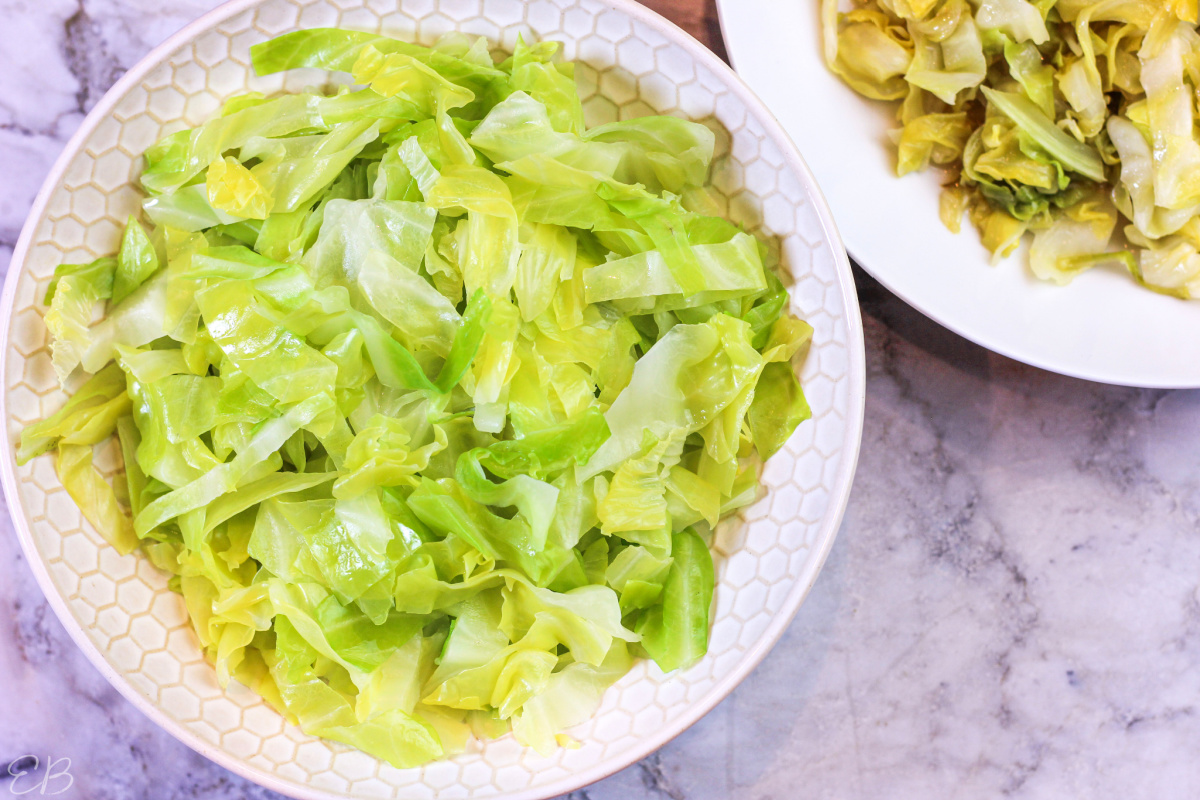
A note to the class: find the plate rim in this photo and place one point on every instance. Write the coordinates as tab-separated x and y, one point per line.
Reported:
823	540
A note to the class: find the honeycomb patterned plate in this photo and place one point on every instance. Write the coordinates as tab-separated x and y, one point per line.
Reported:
134	629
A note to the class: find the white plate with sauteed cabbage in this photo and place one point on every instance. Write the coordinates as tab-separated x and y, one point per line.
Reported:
1099	324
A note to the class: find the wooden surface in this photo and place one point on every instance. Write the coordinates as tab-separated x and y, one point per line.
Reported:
697	17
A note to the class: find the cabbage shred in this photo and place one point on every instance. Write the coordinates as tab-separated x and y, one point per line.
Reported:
429	396
1068	119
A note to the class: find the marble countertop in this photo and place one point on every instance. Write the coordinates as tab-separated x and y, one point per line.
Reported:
1012	605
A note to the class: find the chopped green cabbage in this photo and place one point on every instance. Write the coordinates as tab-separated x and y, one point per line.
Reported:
1071	120
428	396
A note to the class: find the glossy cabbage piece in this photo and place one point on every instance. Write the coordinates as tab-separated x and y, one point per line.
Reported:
429	397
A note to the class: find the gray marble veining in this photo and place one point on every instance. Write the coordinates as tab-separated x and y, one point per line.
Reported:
1012	606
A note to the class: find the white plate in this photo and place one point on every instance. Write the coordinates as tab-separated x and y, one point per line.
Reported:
1102	326
133	628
